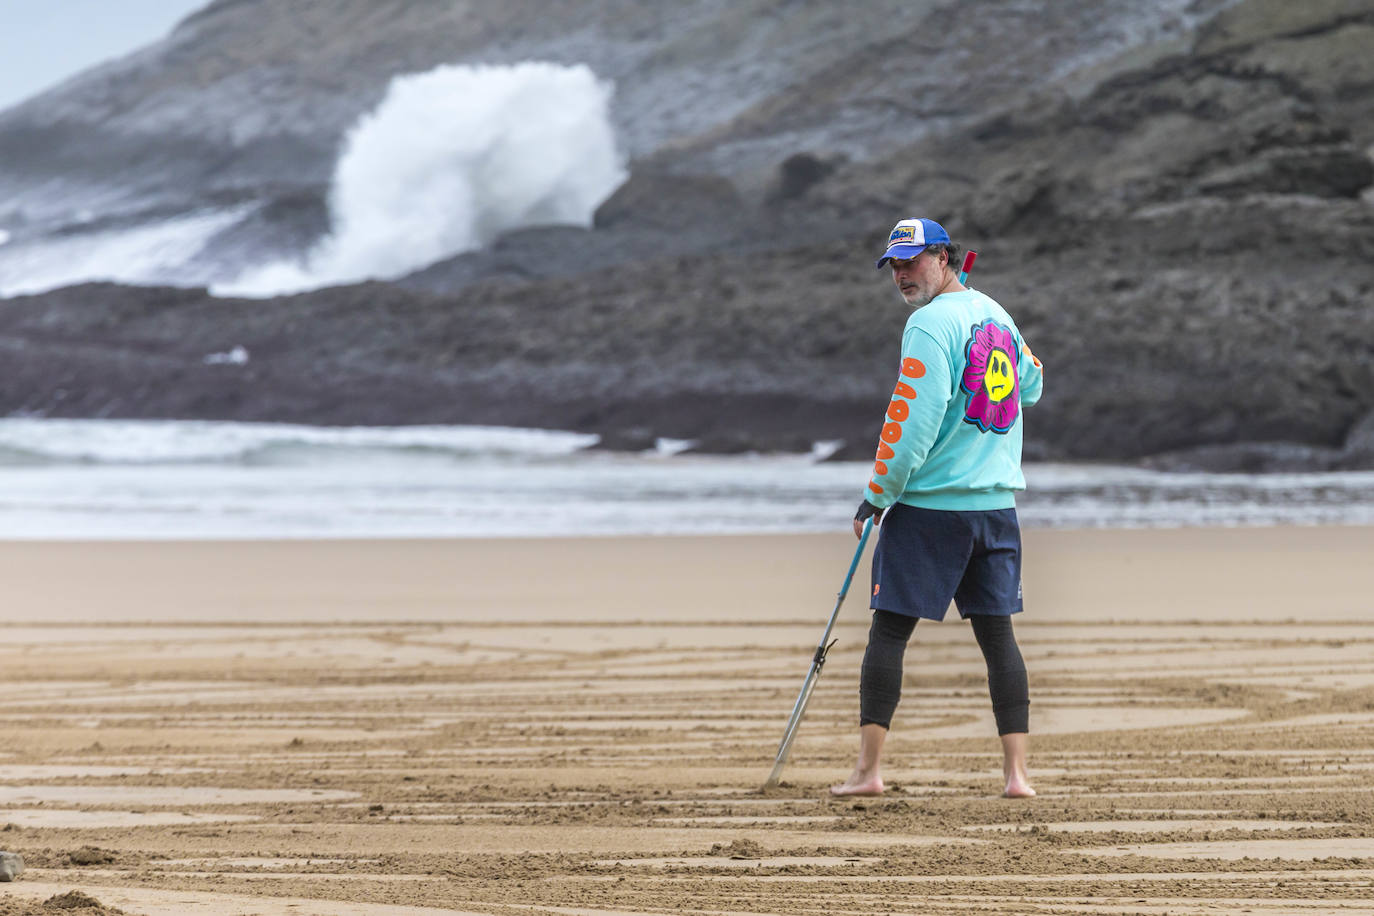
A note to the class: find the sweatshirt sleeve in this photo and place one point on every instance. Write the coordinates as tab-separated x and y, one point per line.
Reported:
913	417
1032	376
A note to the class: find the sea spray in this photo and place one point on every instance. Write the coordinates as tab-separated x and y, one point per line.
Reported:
151	253
450	159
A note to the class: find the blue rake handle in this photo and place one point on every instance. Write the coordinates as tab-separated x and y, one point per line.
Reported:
817	662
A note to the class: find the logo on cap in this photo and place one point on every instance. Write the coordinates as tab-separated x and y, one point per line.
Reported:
912	236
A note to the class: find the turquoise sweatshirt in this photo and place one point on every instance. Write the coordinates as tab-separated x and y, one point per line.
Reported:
952	436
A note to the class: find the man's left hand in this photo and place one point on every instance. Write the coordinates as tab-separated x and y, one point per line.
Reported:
866	511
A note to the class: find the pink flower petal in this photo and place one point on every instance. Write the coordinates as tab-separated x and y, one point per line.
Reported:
1002	415
977	409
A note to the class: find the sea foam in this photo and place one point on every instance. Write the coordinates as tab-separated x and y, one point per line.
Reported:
450	159
152	253
26	441
204	479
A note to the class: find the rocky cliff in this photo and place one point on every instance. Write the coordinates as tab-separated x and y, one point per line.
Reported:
1174	203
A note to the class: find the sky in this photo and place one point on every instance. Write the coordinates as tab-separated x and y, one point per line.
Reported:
42	42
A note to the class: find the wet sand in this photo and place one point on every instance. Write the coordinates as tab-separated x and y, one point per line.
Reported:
582	726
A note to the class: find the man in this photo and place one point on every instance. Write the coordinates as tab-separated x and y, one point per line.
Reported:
948	464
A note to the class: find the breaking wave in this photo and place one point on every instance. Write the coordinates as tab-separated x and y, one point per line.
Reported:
32	441
203	479
450	159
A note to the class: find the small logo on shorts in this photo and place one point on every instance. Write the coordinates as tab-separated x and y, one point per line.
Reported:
1018	589
876	586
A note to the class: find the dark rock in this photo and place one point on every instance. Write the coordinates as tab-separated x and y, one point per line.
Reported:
1324	171
523	255
638	439
797	174
650	200
1017	194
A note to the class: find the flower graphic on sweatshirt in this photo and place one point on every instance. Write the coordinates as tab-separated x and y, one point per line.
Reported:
990	378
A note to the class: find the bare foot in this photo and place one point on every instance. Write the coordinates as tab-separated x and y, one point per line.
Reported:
859	784
1014	746
1018	786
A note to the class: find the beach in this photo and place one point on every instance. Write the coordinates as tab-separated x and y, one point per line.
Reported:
582	725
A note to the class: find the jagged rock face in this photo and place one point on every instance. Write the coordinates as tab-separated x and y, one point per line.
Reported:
1183	226
250	99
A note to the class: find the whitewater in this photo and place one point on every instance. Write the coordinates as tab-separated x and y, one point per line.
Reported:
125	479
447	161
450	160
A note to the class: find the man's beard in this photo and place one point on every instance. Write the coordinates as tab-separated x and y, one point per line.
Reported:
916	297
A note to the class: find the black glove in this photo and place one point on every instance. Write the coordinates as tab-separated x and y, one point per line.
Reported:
866	510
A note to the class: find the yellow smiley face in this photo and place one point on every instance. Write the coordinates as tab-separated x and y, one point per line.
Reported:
998	380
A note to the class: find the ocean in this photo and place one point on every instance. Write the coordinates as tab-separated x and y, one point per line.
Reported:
124	479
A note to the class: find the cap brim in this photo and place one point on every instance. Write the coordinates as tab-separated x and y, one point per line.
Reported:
901	253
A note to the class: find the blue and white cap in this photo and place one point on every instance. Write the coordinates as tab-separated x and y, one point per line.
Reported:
910	237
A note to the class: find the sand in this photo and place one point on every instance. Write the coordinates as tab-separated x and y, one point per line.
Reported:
582	726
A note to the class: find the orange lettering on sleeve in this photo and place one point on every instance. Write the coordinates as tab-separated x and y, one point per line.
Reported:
898	411
880	468
892	432
913	368
903	390
885	451
874	487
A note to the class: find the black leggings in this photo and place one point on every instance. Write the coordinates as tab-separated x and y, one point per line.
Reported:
880	683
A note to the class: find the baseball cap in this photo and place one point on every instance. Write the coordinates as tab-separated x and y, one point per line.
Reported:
910	237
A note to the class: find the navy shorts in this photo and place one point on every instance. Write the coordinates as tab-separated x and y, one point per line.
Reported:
927	557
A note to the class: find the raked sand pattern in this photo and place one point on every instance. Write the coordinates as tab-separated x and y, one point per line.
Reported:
599	748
